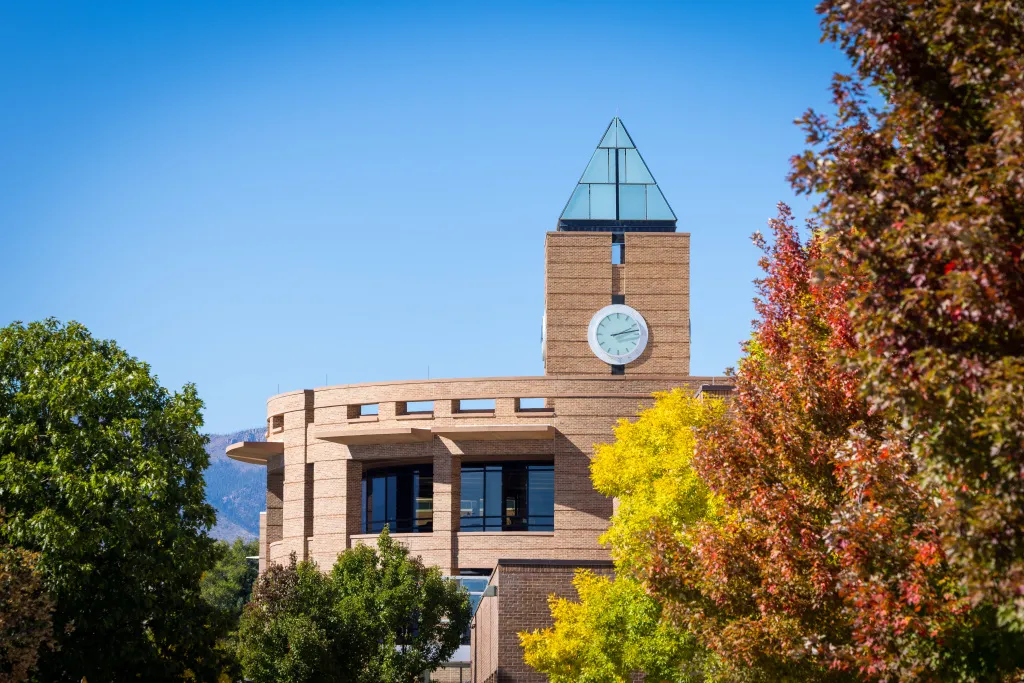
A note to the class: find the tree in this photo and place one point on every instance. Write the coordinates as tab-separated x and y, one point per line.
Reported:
101	474
228	585
616	628
379	615
922	194
823	562
26	615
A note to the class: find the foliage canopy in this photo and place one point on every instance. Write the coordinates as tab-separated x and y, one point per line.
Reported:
616	628
379	615
922	195
26	614
227	586
101	474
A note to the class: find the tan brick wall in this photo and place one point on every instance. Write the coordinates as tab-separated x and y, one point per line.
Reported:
314	492
580	279
484	637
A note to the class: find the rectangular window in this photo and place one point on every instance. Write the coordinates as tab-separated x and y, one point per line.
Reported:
512	496
476	405
415	407
402	498
368	409
528	404
618	248
618	298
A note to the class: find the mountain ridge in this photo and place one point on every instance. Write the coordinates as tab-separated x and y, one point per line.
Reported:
235	489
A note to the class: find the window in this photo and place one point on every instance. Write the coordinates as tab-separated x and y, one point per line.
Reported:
418	407
618	249
476	405
368	409
475	585
511	496
400	497
528	404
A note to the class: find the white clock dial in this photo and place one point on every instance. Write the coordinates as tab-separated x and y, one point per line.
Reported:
617	334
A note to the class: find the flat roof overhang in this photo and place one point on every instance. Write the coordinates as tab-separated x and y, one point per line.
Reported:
365	437
254	452
496	432
385	435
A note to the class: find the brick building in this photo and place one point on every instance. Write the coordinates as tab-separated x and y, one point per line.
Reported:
488	478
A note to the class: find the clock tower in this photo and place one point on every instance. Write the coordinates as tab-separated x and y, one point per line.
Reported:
617	274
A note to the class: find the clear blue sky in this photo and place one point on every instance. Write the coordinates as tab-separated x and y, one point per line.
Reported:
253	195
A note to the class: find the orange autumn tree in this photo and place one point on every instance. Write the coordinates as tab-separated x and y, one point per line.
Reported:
919	179
824	562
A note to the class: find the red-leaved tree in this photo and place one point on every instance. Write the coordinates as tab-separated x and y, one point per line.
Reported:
920	176
825	561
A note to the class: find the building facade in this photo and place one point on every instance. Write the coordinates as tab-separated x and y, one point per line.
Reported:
488	478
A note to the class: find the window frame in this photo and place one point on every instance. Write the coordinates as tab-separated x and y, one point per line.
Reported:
523	519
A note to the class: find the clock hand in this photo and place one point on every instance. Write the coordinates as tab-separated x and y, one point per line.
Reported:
616	334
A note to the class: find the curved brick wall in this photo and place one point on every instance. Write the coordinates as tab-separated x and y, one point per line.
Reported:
314	489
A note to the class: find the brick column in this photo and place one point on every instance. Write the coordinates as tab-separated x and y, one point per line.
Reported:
353	500
505	407
447	502
333	520
273	518
297	523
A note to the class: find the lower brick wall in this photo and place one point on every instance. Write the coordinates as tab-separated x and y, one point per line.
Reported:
521	605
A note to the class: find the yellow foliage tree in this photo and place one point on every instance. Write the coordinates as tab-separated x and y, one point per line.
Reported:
616	628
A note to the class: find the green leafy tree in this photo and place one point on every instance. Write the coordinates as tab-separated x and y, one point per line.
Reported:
101	474
227	586
921	189
616	628
26	615
378	615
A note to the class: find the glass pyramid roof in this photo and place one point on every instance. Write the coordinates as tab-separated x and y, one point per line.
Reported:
617	191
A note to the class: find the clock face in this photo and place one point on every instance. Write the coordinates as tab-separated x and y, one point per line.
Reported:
617	334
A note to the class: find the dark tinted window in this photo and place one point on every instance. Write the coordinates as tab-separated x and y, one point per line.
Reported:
515	496
401	498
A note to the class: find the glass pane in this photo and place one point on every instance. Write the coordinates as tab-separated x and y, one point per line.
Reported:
621	154
657	207
609	137
542	498
597	169
636	169
579	203
492	499
471	511
515	480
363	527
377	504
631	202
602	202
621	136
425	501
391	511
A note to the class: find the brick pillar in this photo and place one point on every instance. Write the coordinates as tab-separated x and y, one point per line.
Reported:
273	518
297	524
353	500
505	407
333	522
447	502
